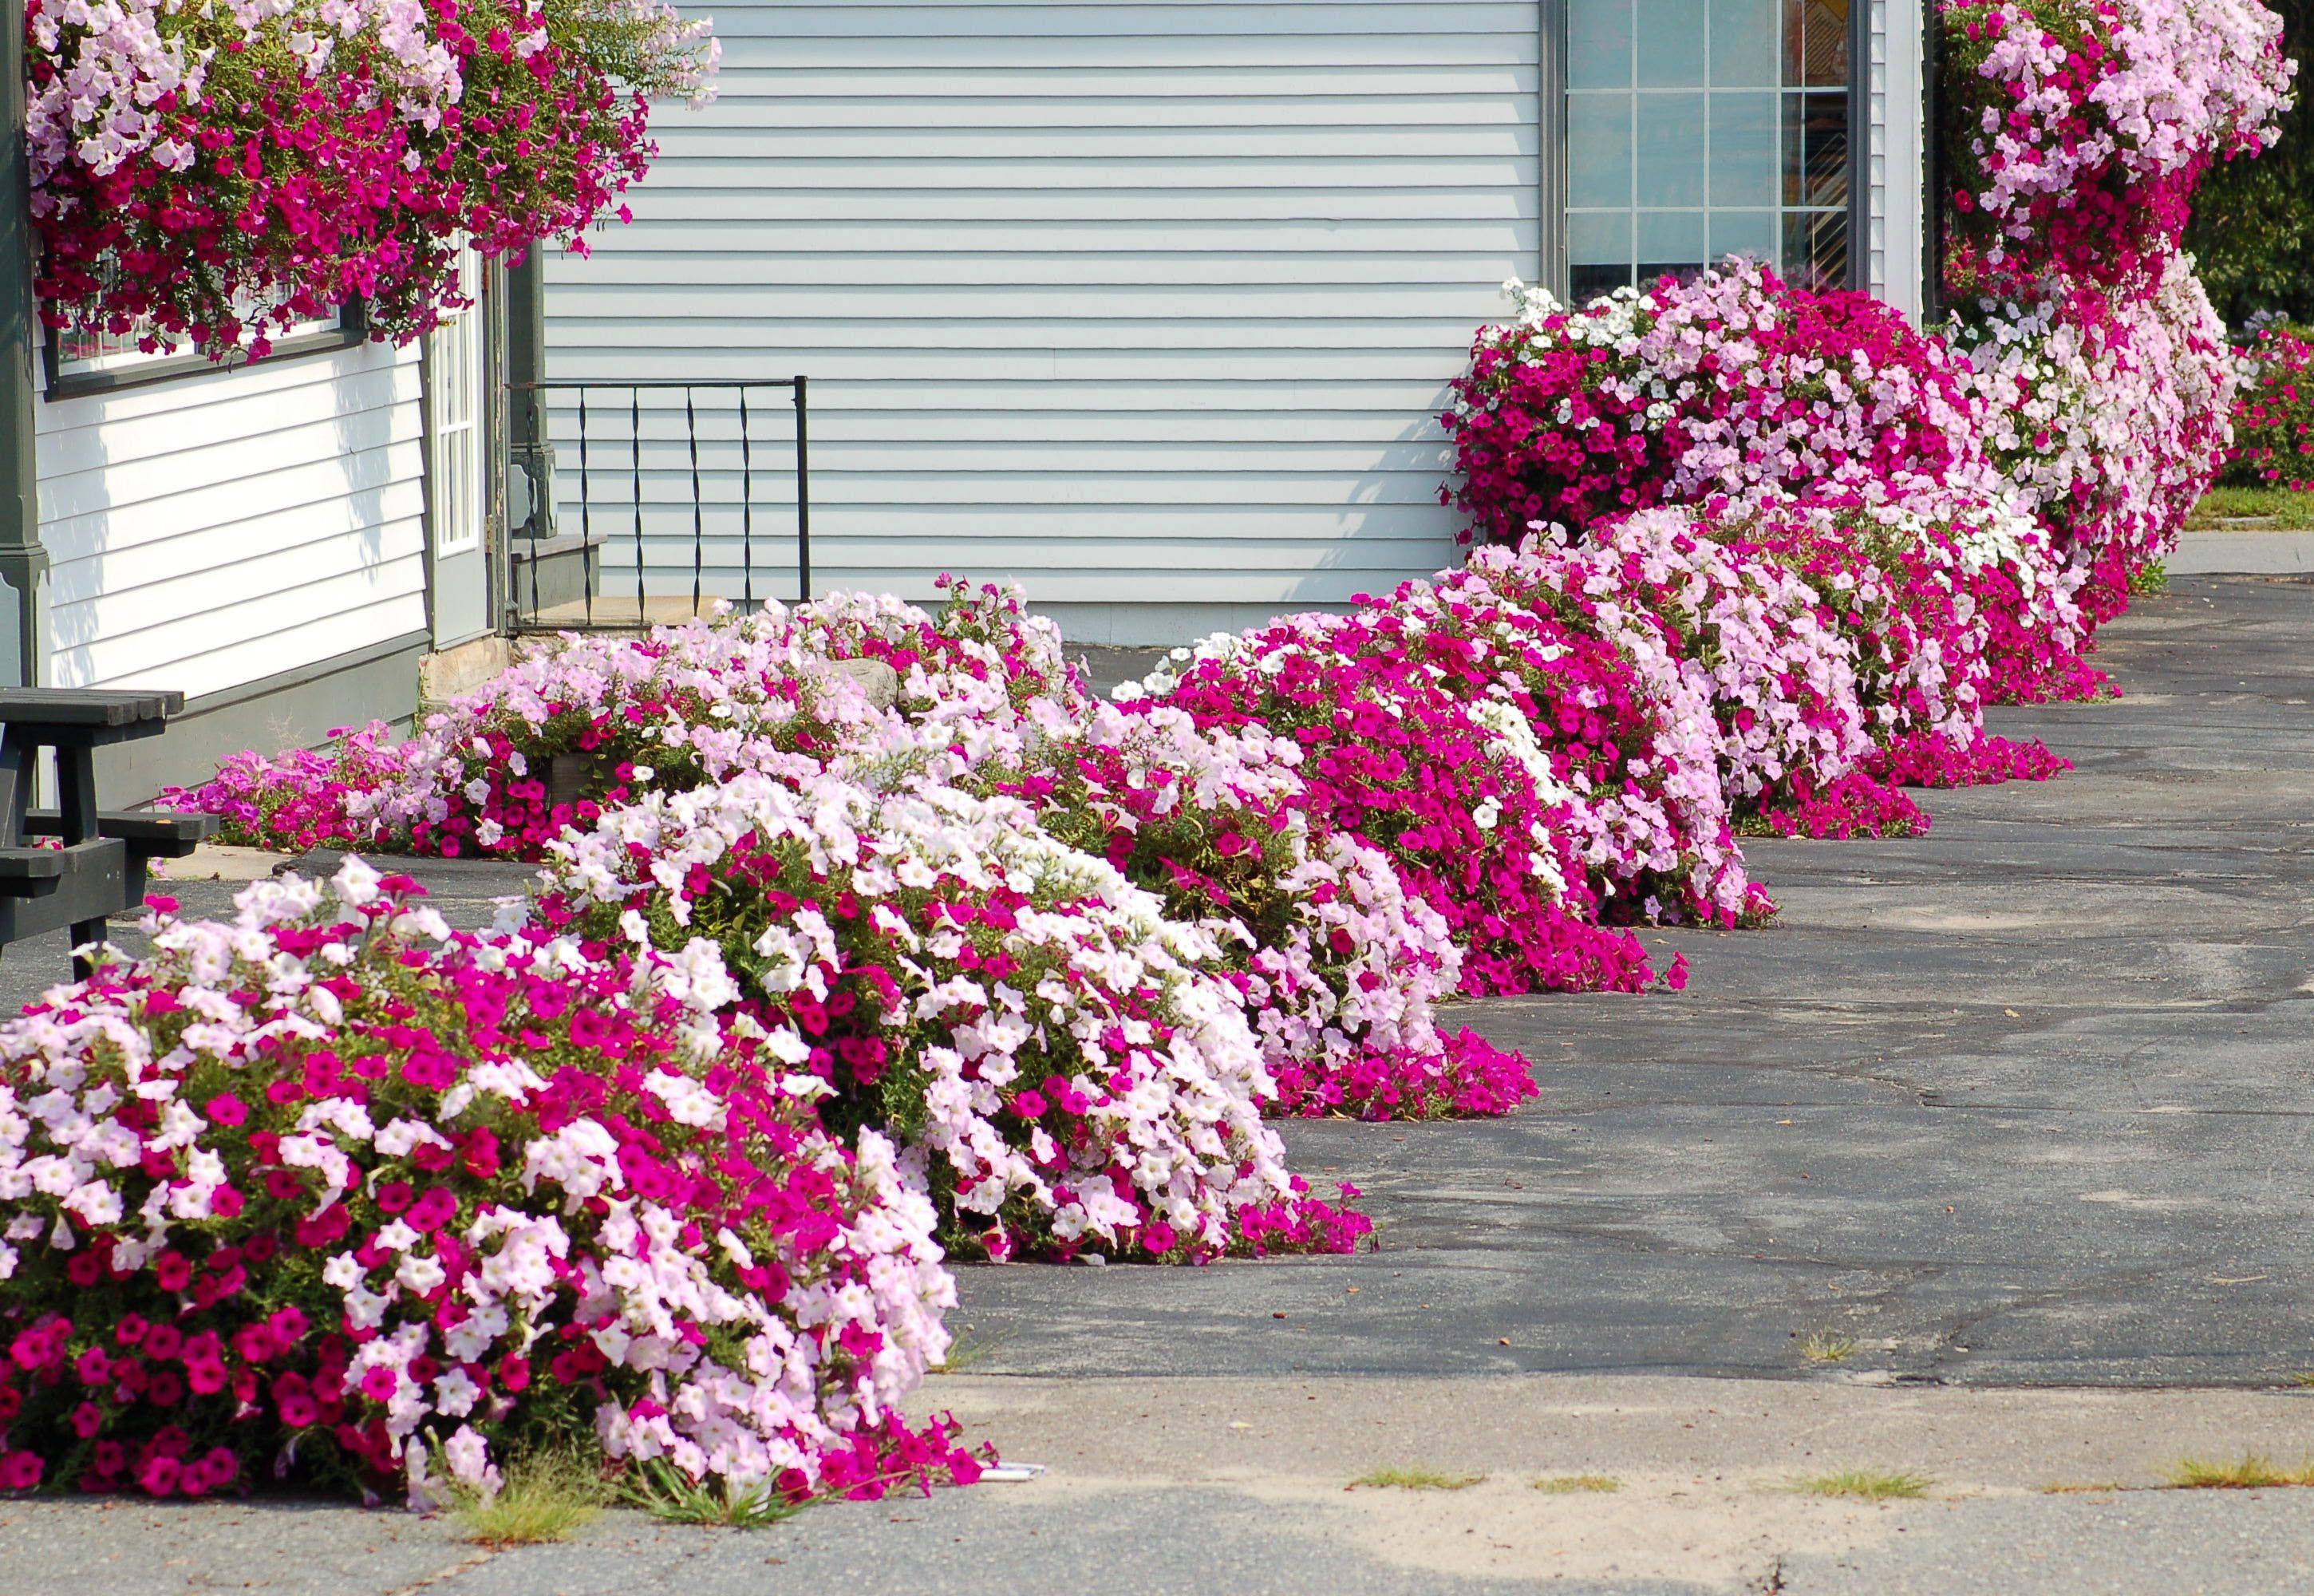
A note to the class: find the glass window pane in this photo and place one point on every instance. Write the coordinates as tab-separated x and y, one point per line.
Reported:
1744	39
1600	238
1671	44
1824	57
1744	149
1599	44
1751	232
1671	242
1815	249
1586	283
1598	150
1670	147
1815	149
1700	129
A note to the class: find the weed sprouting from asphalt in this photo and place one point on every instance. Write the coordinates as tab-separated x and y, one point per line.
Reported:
2252	1471
1569	1485
967	1349
547	1497
1826	1346
1866	1485
1414	1479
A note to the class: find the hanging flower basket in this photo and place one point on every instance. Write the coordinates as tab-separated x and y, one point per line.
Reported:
212	172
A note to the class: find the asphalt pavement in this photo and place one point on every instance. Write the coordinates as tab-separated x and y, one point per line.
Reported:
1988	1162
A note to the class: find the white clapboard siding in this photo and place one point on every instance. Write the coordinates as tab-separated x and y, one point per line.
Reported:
1895	199
214	530
1142	303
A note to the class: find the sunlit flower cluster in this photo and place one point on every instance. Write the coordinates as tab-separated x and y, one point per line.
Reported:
2080	128
1733	382
218	171
2110	414
1019	1011
331	1194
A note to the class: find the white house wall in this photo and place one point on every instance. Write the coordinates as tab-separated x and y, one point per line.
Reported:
1141	304
1894	195
216	531
1148	303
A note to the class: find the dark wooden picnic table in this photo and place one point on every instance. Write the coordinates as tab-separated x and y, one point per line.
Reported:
74	865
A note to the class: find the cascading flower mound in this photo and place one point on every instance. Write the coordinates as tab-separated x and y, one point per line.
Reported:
2078	128
1750	637
1410	743
1341	967
332	1193
1076	1077
223	170
1731	383
1948	605
2111	416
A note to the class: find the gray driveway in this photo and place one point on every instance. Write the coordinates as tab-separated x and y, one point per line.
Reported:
2027	1103
2028	1099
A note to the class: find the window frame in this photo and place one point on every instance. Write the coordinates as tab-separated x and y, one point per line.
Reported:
1555	183
352	329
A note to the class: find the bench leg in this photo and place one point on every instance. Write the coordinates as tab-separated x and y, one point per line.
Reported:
15	786
76	819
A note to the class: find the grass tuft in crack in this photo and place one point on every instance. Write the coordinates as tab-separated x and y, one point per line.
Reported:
1569	1485
547	1497
665	1492
2253	1471
1414	1479
1866	1485
1826	1346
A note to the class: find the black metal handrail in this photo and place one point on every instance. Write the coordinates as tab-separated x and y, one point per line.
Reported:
698	394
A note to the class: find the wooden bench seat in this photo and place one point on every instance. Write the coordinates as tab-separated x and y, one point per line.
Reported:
99	869
156	833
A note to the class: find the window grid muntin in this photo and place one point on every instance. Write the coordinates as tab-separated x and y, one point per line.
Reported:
1806	226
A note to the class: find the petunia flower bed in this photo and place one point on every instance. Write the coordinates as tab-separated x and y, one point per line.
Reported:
1073	1073
820	984
329	1193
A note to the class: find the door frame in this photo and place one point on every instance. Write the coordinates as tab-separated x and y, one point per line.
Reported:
489	480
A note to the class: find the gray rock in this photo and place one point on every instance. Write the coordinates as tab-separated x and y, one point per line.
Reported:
873	677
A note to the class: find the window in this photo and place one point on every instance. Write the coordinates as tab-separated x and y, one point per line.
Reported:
454	397
83	360
1701	128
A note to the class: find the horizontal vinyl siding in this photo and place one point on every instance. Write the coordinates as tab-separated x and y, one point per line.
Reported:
1136	303
1894	174
221	529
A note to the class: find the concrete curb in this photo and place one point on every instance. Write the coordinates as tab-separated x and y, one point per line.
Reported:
2242	553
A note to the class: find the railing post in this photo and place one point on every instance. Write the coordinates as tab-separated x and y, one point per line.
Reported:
803	491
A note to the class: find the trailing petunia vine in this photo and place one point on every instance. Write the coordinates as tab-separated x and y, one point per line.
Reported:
211	172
